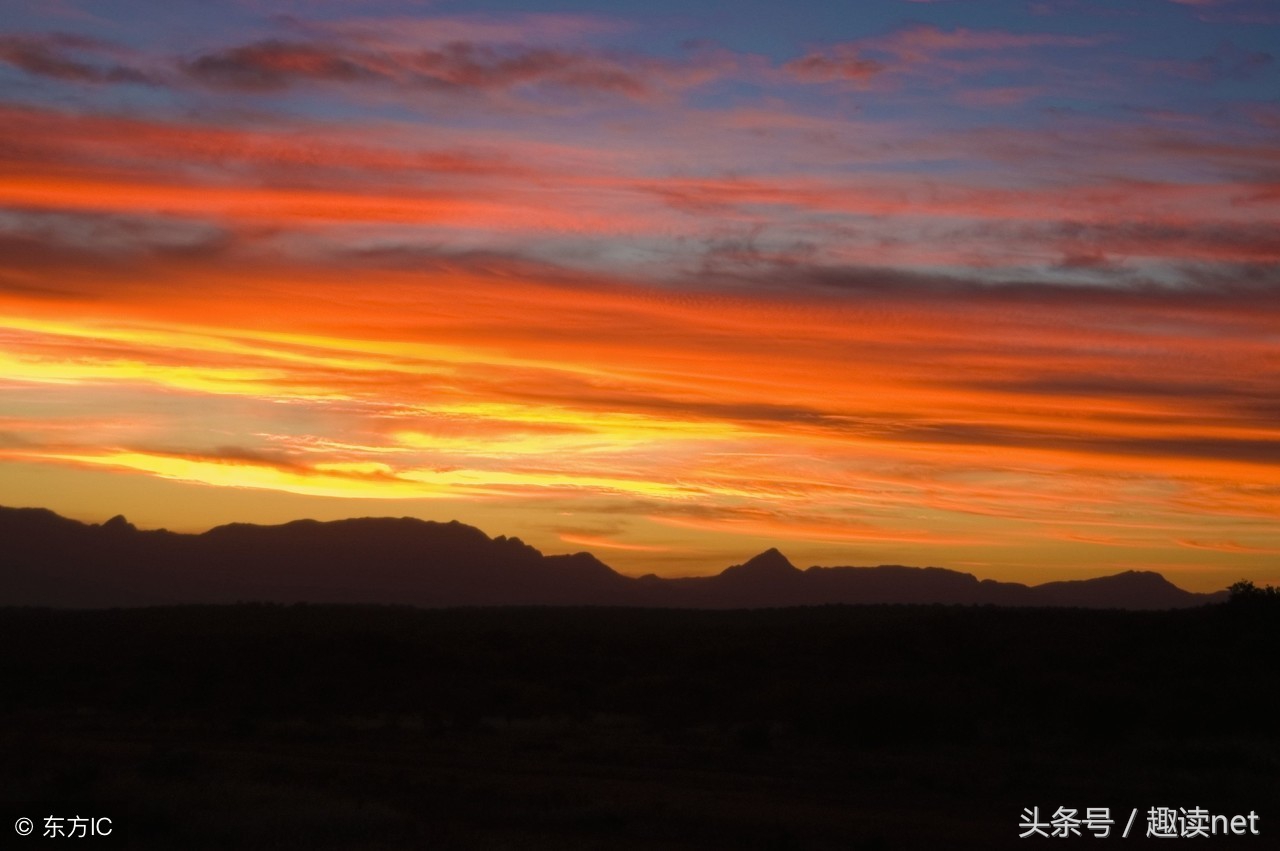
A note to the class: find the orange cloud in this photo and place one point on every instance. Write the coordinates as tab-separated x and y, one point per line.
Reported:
964	420
1227	547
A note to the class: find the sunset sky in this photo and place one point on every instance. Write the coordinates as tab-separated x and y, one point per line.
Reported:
992	286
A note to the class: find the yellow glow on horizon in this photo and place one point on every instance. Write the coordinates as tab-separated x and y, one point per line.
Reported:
610	544
368	481
220	380
243	474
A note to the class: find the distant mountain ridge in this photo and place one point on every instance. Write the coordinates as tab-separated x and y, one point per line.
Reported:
49	560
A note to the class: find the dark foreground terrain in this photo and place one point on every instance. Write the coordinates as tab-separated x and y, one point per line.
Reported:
262	726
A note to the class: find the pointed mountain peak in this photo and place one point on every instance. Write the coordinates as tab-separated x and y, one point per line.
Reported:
774	557
768	563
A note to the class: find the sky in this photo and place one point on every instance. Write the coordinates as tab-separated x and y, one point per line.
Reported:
992	286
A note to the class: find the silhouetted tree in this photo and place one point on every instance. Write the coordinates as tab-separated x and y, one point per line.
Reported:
1245	594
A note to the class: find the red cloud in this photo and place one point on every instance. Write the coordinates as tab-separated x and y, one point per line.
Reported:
456	66
68	57
919	47
841	63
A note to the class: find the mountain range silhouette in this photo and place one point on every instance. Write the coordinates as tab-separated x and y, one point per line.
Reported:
49	560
